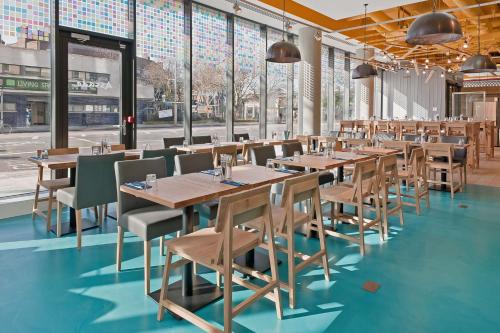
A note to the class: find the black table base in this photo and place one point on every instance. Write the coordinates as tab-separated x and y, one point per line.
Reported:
70	228
255	260
203	293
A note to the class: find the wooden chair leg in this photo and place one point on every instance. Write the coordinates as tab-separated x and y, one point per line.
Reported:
147	266
162	246
452	185
384	213
164	285
361	230
35	201
417	196
119	248
49	209
291	267
79	228
273	262
59	216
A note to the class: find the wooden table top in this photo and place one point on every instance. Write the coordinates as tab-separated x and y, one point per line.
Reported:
206	147
321	162
68	161
191	189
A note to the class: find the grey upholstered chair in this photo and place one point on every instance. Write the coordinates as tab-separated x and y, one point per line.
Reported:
94	186
202	139
245	136
413	137
168	154
459	155
142	217
289	148
192	163
169	142
260	155
385	136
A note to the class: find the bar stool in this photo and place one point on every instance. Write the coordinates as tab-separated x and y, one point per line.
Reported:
415	174
388	177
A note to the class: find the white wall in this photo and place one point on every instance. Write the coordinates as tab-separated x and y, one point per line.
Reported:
413	96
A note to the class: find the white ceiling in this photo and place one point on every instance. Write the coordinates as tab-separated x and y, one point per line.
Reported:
339	9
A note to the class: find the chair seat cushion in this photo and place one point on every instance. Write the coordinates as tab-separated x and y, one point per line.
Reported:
55	184
201	246
66	196
152	221
326	177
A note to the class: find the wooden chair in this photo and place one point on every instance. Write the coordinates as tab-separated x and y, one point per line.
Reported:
388	177
347	127
348	143
217	247
244	136
118	147
52	185
439	159
324	141
409	127
169	142
364	189
305	140
404	149
381	126
415	174
231	150
247	147
287	218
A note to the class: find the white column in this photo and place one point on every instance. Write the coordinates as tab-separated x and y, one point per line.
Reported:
310	82
364	90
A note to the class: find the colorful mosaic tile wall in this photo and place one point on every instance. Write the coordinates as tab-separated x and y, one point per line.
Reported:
160	29
110	17
209	36
25	19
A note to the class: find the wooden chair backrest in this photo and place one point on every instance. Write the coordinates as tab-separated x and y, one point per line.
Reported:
417	163
431	128
409	127
403	146
305	140
237	209
323	141
388	170
433	150
247	148
365	180
381	126
456	128
295	190
224	150
118	147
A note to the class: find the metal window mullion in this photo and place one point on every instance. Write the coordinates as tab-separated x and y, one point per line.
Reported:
263	85
188	68
230	79
331	91
289	91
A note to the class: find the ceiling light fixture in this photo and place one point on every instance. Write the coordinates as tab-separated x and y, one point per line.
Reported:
237	8
479	63
426	66
423	72
466	45
442	74
364	70
434	28
283	52
449	60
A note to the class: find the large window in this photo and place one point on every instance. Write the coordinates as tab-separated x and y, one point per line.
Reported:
326	85
339	85
249	48
160	71
210	58
276	90
24	91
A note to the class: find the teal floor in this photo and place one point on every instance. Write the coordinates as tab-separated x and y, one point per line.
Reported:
439	273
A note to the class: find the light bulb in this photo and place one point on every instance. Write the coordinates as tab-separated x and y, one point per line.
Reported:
442	74
449	60
466	45
449	70
407	71
423	72
412	61
464	58
237	8
426	60
458	57
426	66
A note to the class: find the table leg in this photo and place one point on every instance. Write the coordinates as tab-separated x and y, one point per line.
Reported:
191	292
443	179
70	227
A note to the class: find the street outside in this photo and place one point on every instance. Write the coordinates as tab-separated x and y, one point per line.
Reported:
18	175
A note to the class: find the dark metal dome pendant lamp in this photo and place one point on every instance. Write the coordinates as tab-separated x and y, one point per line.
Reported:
478	63
434	28
364	70
283	52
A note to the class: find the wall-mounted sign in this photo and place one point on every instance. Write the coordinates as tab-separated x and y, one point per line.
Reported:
10	83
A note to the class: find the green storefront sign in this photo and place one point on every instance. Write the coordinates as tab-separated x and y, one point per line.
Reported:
10	83
24	84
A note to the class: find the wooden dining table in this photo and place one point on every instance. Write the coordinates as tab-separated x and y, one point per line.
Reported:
186	191
69	161
208	147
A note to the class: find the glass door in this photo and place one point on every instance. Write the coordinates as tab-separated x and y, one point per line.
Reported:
94	95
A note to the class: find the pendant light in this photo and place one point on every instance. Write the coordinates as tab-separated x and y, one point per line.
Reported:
364	70
478	63
283	52
434	28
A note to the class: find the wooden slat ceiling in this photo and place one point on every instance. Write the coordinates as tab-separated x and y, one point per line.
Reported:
391	36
